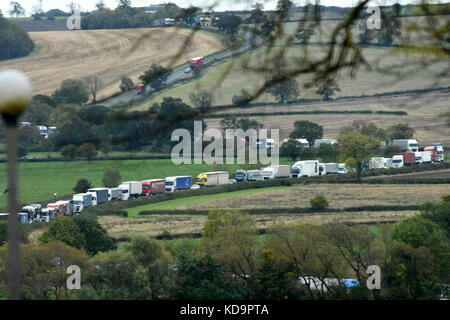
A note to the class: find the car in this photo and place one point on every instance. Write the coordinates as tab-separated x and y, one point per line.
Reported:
195	186
232	181
187	70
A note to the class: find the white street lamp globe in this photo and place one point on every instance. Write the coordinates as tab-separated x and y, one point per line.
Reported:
15	92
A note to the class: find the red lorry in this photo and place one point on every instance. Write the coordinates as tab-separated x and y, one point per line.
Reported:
196	63
409	158
153	186
140	89
434	153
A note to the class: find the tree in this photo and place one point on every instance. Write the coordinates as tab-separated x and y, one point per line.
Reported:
124	4
156	76
149	254
257	16
71	91
366	128
47	145
116	275
111	178
304	129
284	91
246	123
82	186
357	149
327	89
201	99
401	131
44	269
94	84
87	151
329	152
66	230
16	9
15	41
229	24
96	238
105	147
69	152
291	149
243	99
38	113
438	213
126	84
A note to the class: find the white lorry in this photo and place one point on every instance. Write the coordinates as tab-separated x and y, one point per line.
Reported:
406	144
276	171
342	169
376	163
307	168
331	168
397	161
303	142
131	189
254	175
114	194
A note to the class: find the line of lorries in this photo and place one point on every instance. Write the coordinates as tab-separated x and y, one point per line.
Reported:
300	169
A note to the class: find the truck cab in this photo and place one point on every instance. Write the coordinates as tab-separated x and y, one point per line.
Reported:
254	175
342	169
295	172
440	150
397	161
419	158
241	176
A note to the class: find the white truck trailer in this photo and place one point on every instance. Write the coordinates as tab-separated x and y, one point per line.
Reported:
406	144
131	189
276	171
307	168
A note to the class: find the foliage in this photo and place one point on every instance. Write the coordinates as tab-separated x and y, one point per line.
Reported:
319	202
15	41
96	238
241	99
126	84
66	230
44	269
401	131
111	178
219	221
93	84
201	99
329	152
105	147
82	186
368	129
291	149
69	152
156	76
87	151
308	130
284	91
327	89
71	91
357	149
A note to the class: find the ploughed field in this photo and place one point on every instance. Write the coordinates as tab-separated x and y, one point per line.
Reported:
109	54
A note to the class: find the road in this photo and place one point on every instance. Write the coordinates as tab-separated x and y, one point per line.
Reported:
178	72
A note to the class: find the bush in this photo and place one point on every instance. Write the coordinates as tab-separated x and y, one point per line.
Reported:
14	40
165	235
319	202
69	151
82	186
112	178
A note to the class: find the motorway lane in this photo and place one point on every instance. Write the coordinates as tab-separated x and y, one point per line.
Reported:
179	71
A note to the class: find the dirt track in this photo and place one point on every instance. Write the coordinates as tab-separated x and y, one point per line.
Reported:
110	54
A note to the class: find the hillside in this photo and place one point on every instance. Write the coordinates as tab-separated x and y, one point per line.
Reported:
109	54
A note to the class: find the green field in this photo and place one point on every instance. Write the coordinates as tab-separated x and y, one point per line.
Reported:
183	202
39	181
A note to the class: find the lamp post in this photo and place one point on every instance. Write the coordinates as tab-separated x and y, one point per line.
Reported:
15	95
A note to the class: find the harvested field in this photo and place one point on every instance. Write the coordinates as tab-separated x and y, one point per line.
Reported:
110	54
339	196
188	224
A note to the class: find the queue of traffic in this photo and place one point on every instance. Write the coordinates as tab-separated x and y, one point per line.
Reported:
300	169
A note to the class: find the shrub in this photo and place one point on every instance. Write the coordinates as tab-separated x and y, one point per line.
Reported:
319	202
82	186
